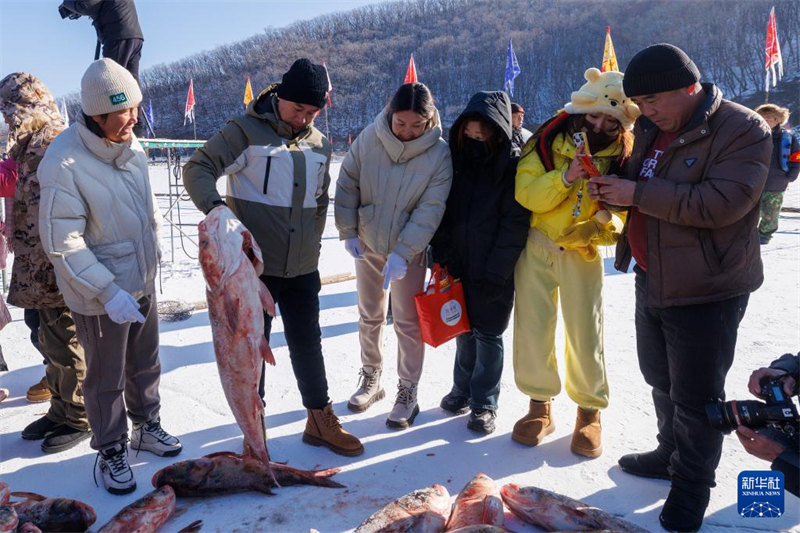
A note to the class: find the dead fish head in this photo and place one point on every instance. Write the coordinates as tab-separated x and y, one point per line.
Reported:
162	497
224	242
182	473
516	497
480	484
8	519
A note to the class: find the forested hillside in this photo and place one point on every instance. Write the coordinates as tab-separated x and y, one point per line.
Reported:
460	47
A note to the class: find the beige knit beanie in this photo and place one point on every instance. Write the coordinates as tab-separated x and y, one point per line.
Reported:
107	87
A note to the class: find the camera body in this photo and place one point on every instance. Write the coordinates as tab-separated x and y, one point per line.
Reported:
777	412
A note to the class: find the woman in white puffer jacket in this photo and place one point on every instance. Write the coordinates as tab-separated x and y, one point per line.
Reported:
99	227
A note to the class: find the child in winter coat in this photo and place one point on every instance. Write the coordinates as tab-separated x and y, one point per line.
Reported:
561	259
482	234
783	169
390	198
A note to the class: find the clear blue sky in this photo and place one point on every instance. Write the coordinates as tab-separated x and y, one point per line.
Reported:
34	38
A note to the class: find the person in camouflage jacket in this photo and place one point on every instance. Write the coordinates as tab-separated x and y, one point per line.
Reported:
34	121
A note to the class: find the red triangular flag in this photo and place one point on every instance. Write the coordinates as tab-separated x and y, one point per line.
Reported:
188	112
773	52
411	71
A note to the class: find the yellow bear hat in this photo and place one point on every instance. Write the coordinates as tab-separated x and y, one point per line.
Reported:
603	93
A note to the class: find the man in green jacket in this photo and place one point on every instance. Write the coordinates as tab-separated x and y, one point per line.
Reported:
277	165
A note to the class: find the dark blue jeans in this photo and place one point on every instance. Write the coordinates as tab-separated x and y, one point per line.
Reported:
685	353
478	369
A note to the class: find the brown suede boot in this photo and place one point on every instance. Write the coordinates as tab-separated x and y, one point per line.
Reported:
532	428
587	437
323	429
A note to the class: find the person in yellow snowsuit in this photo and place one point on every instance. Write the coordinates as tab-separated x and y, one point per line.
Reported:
561	258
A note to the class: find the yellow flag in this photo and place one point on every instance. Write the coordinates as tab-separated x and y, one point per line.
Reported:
248	92
609	57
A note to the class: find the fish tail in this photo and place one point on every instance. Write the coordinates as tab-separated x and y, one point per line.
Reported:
191	528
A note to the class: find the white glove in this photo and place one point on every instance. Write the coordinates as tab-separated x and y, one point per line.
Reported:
355	247
394	269
123	308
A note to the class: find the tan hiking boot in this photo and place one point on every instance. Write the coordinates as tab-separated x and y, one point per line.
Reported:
323	429
532	428
40	392
587	437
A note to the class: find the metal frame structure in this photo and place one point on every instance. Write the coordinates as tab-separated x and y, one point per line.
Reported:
176	190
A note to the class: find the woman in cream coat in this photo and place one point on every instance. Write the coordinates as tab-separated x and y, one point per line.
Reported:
390	198
99	226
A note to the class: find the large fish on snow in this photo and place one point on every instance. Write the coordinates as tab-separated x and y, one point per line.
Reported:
147	514
421	511
227	472
231	262
53	515
554	512
478	503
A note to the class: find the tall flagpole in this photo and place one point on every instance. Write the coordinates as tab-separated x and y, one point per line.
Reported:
327	131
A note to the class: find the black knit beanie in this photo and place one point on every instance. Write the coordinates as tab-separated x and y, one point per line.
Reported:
305	83
659	68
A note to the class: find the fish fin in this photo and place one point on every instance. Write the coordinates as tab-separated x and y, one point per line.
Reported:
267	302
493	513
266	491
266	351
323	480
231	306
221	454
191	528
29	496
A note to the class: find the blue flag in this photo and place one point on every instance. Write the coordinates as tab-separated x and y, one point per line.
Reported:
512	69
150	118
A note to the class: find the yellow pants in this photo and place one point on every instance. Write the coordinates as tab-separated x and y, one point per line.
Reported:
542	273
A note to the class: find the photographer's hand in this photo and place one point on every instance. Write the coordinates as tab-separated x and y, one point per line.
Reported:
754	385
758	445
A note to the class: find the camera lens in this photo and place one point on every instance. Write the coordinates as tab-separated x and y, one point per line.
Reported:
722	416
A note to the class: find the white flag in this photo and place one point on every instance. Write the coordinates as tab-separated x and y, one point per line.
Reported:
64	113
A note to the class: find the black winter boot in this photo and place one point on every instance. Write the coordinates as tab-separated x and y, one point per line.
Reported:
685	507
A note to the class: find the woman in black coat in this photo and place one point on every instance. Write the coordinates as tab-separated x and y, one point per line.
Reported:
479	240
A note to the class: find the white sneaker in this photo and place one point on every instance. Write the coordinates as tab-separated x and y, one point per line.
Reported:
151	437
405	408
369	390
116	472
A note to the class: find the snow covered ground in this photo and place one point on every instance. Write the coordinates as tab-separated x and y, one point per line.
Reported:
437	449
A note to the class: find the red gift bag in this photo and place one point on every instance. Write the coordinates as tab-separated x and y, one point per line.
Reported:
441	309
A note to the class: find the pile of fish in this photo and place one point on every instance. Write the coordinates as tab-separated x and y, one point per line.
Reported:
479	509
37	513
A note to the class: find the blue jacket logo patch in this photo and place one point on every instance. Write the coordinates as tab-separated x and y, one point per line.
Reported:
689	162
